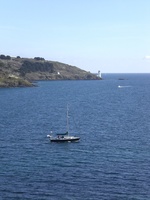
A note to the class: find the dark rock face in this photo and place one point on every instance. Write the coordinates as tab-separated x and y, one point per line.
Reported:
28	67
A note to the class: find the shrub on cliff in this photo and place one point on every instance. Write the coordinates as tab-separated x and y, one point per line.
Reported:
5	57
38	58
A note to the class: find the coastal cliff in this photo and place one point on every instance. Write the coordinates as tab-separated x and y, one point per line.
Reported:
21	72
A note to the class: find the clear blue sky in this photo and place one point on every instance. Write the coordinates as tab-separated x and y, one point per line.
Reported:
107	35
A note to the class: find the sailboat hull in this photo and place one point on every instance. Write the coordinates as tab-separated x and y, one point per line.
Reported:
65	139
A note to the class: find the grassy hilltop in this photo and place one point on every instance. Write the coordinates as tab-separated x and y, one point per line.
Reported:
17	72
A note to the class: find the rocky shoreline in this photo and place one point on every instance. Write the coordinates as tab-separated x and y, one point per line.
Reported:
15	82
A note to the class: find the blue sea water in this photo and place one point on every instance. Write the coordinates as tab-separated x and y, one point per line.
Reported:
110	162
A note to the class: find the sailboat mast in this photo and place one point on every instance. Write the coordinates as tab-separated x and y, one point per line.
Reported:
67	119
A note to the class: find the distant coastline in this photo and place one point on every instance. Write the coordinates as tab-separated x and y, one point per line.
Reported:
22	72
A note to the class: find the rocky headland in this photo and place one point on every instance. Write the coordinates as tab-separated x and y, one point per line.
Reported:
22	72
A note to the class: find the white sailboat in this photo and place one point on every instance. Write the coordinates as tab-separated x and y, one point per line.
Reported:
64	137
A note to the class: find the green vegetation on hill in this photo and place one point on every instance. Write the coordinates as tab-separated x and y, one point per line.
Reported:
14	82
17	72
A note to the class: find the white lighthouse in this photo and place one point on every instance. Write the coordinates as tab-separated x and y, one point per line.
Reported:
99	74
